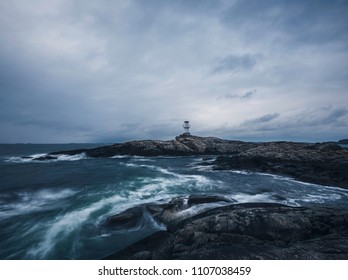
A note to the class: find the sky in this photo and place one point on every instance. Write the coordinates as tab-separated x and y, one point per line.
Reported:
111	71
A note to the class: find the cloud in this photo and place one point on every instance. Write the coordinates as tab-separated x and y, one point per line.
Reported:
235	63
292	23
245	96
261	120
92	71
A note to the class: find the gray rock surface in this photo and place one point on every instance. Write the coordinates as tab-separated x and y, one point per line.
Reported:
249	231
175	210
183	145
321	163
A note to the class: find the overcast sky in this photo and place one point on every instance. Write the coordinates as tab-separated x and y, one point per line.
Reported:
109	71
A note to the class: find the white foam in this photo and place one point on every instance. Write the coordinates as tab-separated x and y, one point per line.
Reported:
63	157
65	224
204	168
34	157
262	197
34	201
153	167
129	164
182	177
142	159
24	159
241	172
320	198
120	156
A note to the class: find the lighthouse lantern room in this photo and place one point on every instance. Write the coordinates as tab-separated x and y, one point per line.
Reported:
187	126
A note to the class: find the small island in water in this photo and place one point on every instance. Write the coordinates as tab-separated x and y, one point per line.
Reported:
224	228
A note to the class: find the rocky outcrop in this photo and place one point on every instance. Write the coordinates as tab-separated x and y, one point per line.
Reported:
322	163
175	210
183	145
248	231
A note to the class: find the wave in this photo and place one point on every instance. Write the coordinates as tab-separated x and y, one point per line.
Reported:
71	157
261	197
29	202
25	159
120	156
64	225
35	158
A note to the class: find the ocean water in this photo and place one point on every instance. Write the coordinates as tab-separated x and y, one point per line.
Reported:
55	209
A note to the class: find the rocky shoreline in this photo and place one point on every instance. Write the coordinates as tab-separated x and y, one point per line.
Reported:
320	163
235	231
213	227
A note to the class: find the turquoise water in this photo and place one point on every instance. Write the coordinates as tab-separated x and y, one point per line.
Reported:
55	209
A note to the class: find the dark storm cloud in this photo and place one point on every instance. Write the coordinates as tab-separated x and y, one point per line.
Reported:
292	22
73	70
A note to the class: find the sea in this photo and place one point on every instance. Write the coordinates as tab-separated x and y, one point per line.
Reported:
56	209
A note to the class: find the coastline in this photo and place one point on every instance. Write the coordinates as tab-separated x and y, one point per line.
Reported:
319	163
236	231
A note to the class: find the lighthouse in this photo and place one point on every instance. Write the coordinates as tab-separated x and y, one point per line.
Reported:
186	126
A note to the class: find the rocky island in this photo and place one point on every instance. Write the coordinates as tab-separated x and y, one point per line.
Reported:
224	229
321	163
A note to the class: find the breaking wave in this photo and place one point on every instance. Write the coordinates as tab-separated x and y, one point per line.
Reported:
23	203
40	158
58	215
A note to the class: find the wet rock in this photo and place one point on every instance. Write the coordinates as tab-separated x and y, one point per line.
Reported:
321	163
202	199
250	231
43	158
164	213
127	219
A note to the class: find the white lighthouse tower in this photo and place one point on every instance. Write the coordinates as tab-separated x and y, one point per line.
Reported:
186	126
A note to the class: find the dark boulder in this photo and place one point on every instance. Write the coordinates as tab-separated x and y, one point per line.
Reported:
249	231
126	219
164	213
